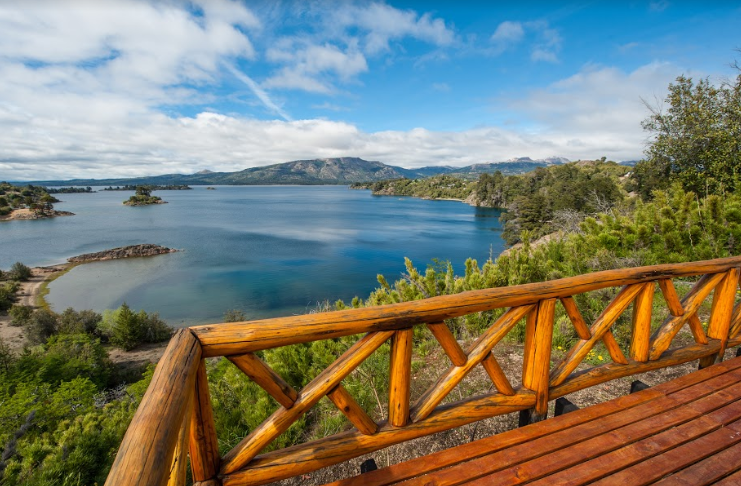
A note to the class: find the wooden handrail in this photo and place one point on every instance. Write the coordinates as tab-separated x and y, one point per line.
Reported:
177	408
240	337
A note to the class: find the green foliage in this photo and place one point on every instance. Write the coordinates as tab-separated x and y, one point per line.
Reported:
83	322
41	325
7	295
127	329
696	140
435	187
31	197
20	315
65	357
19	272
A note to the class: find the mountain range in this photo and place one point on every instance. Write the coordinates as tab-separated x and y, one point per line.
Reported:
343	170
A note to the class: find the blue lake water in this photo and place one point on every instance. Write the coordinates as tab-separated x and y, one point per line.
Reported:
266	250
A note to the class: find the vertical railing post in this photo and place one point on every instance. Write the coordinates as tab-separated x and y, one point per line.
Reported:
720	314
204	447
400	377
538	357
641	336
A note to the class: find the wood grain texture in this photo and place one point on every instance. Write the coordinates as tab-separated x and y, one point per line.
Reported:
601	325
352	410
721	313
670	297
149	443
400	377
601	374
642	311
204	447
572	310
179	466
613	348
722	308
303	458
675	308
263	375
471	450
497	375
541	355
239	337
479	350
662	338
448	342
527	358
280	420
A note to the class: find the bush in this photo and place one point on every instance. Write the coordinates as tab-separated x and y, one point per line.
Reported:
41	326
64	358
7	295
19	272
126	329
20	315
82	322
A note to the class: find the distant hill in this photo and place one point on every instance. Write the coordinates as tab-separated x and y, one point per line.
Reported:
343	170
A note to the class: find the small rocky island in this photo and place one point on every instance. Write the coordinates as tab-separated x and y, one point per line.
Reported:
123	252
143	197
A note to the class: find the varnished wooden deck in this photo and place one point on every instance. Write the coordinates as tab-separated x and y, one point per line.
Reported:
686	431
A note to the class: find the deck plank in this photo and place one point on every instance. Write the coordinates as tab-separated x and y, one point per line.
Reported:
709	470
683	428
676	459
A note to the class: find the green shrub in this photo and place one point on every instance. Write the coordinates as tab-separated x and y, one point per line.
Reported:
19	272
20	315
40	326
82	322
65	357
126	329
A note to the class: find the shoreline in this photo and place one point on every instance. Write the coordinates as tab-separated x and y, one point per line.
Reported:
32	293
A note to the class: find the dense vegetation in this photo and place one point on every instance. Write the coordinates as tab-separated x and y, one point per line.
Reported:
70	190
35	198
65	408
696	139
143	197
537	202
167	187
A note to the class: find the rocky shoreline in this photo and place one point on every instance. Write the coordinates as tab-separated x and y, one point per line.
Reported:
132	251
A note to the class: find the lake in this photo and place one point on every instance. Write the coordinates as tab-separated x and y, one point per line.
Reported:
266	250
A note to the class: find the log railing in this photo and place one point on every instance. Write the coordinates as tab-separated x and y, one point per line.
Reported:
175	420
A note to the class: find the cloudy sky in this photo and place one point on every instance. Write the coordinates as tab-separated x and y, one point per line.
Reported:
99	88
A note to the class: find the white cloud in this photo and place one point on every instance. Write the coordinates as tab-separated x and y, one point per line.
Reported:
545	41
508	32
312	67
548	45
599	108
382	23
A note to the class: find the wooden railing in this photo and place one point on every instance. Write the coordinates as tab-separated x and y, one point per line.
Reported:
175	419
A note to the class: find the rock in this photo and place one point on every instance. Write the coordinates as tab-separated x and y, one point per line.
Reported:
123	252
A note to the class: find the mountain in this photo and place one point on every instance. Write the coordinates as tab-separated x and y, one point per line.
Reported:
342	170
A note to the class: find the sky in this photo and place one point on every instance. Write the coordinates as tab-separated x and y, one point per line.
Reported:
114	88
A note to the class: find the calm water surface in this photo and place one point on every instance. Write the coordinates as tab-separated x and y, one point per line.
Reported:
267	250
